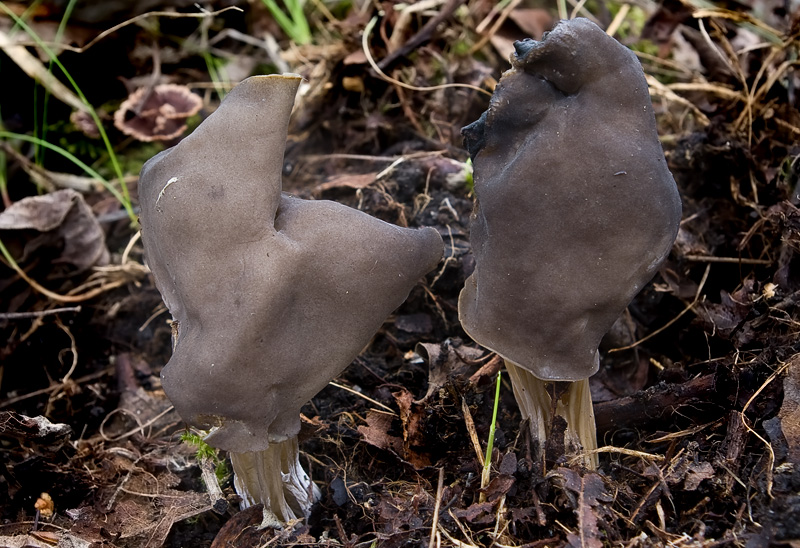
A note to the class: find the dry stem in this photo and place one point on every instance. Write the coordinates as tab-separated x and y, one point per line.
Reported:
574	405
274	477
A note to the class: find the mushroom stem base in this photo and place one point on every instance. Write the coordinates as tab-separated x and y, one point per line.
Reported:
275	478
574	405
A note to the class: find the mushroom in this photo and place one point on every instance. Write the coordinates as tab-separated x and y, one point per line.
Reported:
575	211
272	295
158	113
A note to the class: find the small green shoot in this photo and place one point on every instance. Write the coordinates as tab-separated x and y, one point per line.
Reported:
487	462
293	21
206	452
468	175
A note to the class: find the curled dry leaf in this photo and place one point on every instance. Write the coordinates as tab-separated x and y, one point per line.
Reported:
64	219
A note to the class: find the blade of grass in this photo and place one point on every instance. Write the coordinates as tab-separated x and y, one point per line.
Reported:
4	180
487	462
62	25
295	24
69	156
125	196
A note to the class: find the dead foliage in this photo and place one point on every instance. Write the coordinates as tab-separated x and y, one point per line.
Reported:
698	397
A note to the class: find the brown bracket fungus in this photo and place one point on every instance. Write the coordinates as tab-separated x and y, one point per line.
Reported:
576	209
273	295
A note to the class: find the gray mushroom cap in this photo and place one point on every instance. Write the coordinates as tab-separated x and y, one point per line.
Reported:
273	295
576	208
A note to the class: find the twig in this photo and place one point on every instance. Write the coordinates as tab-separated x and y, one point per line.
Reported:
734	260
359	394
618	19
87	378
217	499
423	35
171	14
34	68
37	313
770	451
473	434
673	320
495	27
435	523
620	450
141	426
383	75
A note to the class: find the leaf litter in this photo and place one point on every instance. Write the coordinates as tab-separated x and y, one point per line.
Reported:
697	399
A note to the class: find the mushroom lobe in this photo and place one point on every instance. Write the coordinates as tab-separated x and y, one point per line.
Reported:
273	295
576	207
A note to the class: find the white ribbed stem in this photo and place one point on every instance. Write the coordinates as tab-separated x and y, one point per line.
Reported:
575	405
275	478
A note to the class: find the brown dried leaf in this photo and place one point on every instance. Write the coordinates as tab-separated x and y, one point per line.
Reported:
591	493
144	511
63	218
445	360
377	432
478	513
498	487
241	530
412	415
698	471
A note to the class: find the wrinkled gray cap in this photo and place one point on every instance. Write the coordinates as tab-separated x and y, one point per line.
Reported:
274	295
576	208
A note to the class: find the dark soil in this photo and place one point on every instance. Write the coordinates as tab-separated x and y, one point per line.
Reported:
697	400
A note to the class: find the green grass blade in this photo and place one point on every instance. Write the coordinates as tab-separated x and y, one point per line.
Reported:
75	160
62	25
295	25
487	462
124	197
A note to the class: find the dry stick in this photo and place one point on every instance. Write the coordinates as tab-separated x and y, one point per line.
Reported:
473	434
736	16
74	350
656	88
770	451
673	320
383	75
65	298
34	68
497	24
618	19
423	35
435	523
734	260
115	28
360	395
621	451
81	380
141	426
38	313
